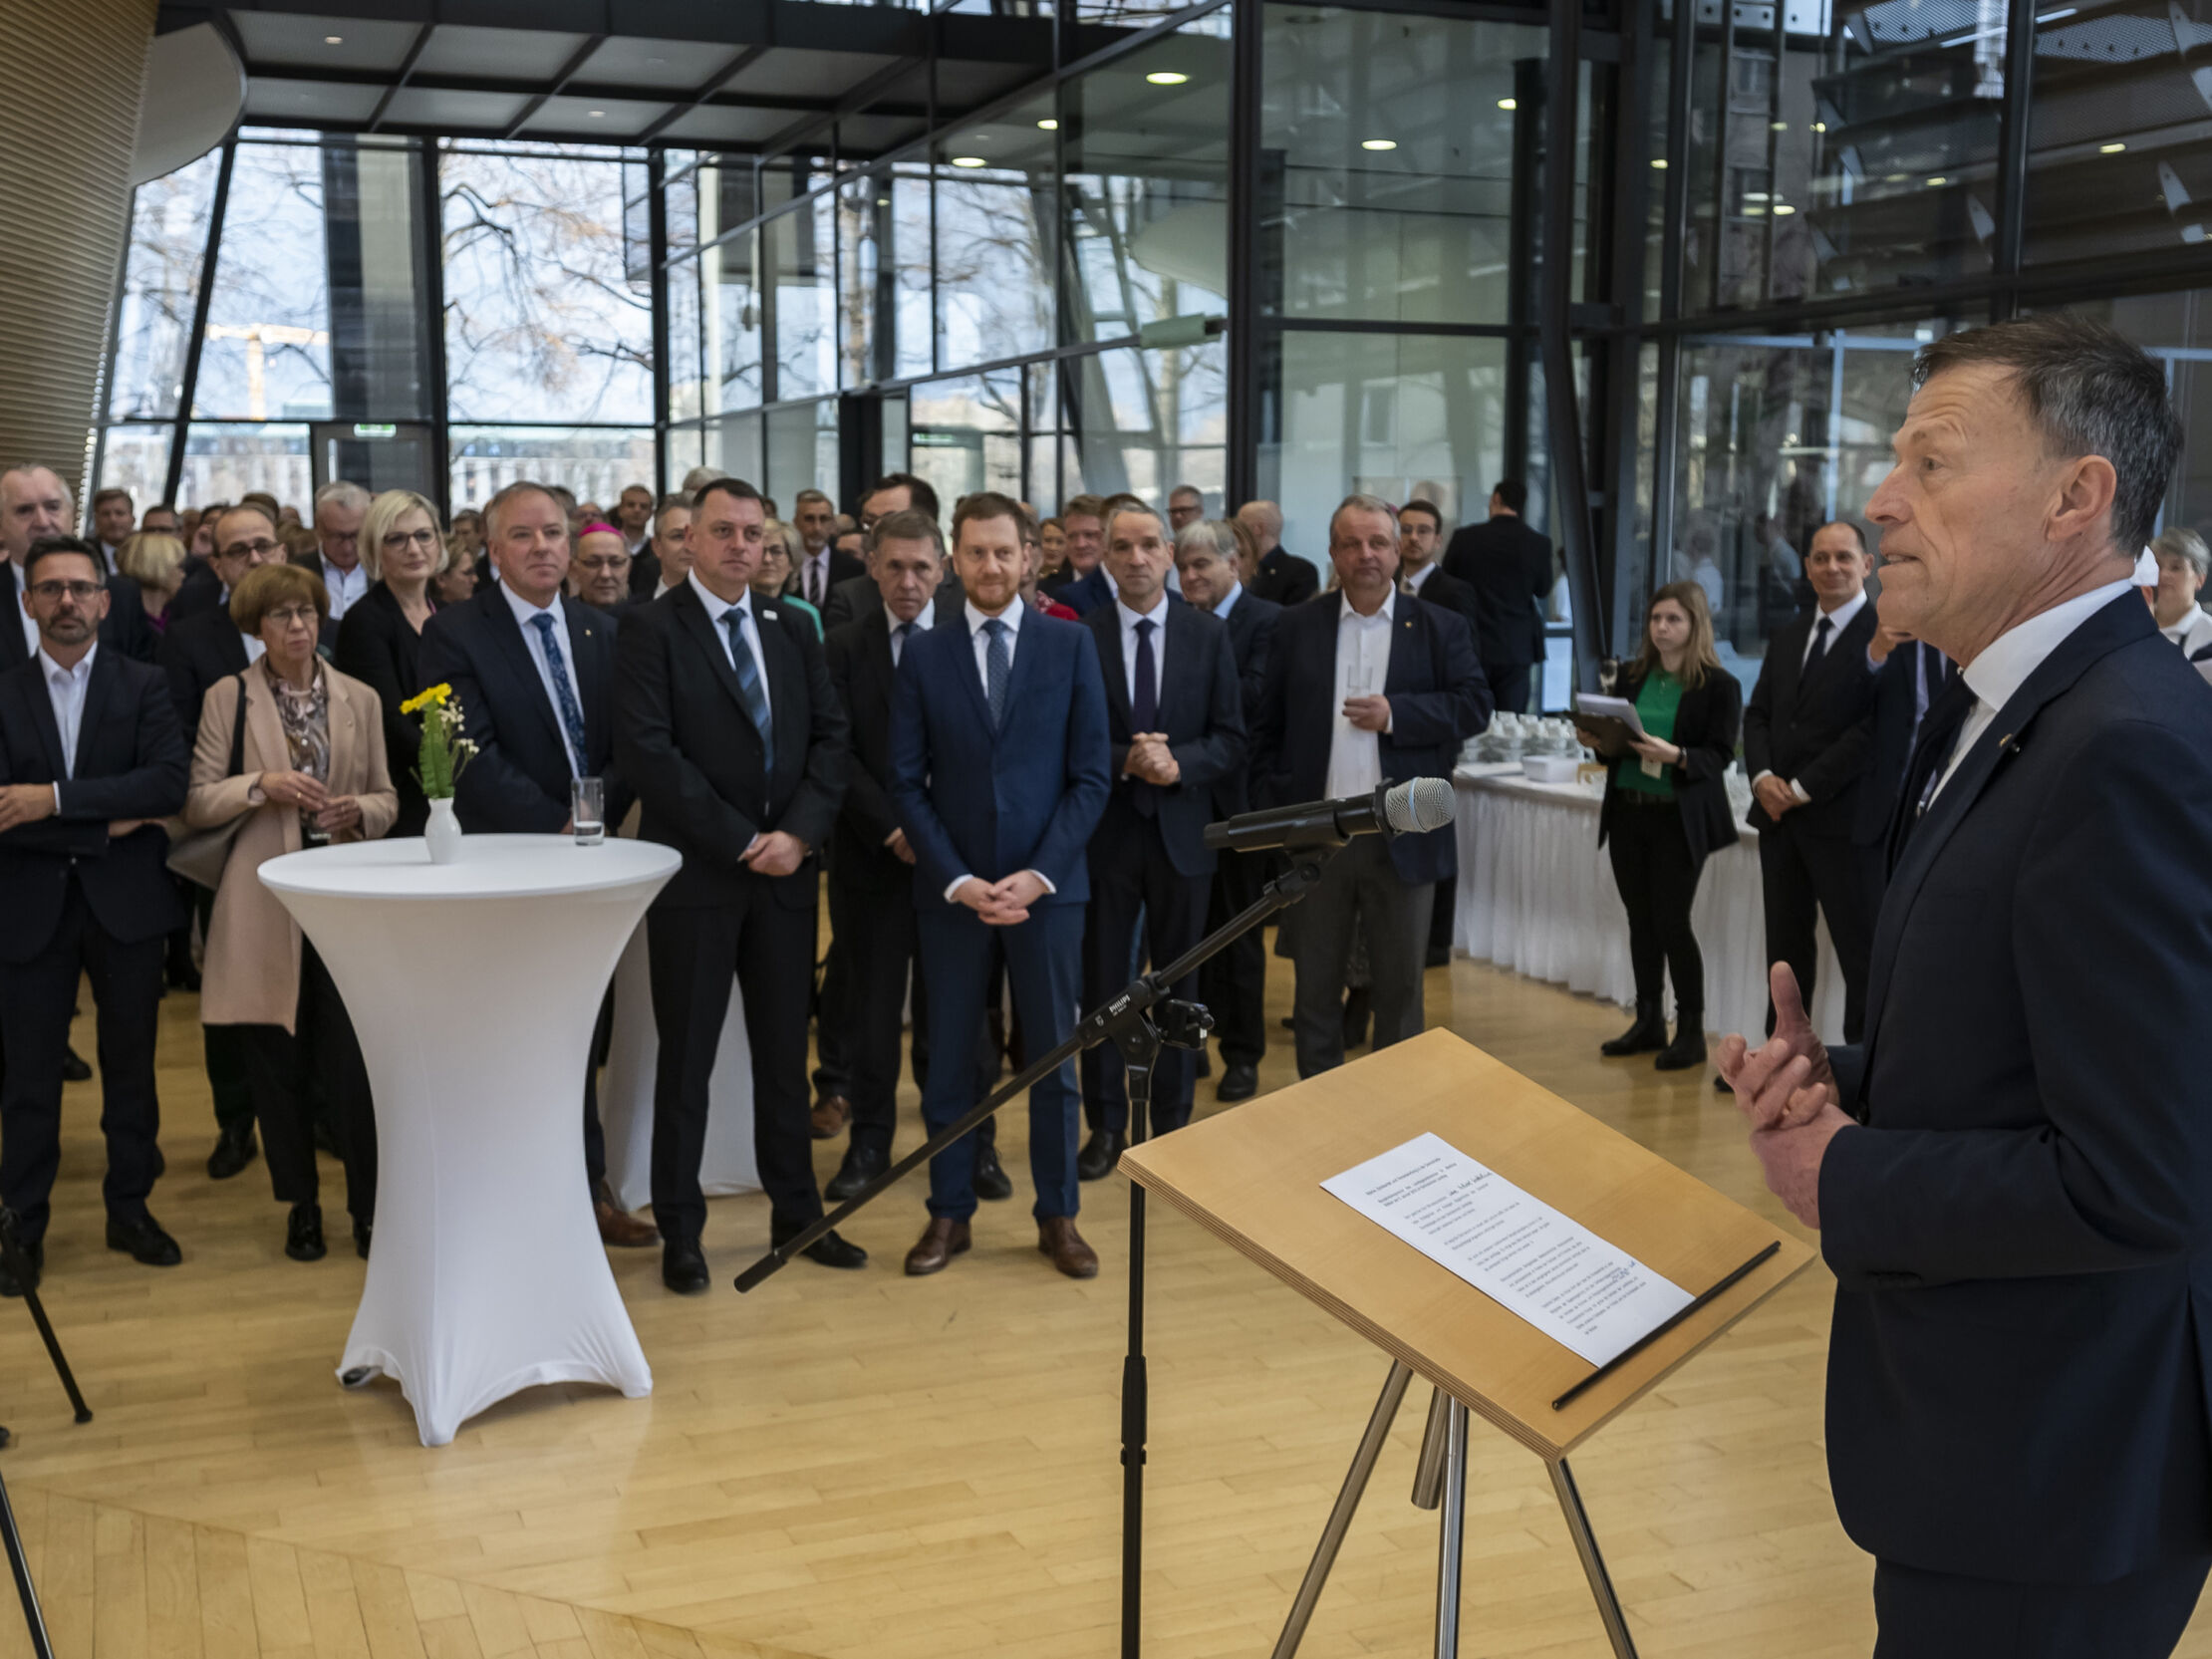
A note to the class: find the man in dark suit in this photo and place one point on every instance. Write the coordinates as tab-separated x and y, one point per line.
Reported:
1369	688
1909	675
340	507
2013	1173
1081	582
728	728
1420	536
91	761
895	492
1281	577
34	504
1234	985
1175	726
533	673
821	566
663	562
1806	745
999	766
1510	567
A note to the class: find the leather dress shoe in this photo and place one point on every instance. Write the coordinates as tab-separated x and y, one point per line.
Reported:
1240	1081
829	1251
303	1234
34	1257
235	1148
941	1240
74	1068
863	1163
830	1116
617	1226
143	1241
991	1179
1057	1237
1099	1155
684	1268
364	1232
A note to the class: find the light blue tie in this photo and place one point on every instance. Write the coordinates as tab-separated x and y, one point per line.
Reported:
748	686
997	669
564	692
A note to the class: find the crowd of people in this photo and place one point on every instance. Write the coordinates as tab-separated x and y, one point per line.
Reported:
996	736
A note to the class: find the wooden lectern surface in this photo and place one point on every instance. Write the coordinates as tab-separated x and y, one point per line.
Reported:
1253	1176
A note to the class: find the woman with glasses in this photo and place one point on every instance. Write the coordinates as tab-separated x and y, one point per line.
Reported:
303	766
380	636
771	578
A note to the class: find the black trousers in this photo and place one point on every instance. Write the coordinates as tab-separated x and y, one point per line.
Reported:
1234	986
834	1012
1804	875
595	1138
1658	878
282	1064
37	999
1359	890
1935	1615
873	929
1510	685
222	1047
1133	880
768	942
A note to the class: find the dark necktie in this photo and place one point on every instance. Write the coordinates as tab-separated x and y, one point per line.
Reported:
1820	648
813	583
1143	709
997	669
564	692
750	687
898	636
1939	735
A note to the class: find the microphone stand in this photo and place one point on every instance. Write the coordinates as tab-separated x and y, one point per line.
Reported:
19	1562
1138	1022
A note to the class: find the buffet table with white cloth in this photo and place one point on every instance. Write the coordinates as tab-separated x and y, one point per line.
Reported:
1536	895
475	986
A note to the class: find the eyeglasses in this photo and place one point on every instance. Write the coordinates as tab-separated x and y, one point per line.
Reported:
53	592
260	549
305	614
411	538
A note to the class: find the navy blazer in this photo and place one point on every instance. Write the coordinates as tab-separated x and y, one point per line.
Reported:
1438	699
861	669
1811	728
1251	631
2021	1234
686	744
984	803
1201	710
518	782
131	762
1086	592
1889	739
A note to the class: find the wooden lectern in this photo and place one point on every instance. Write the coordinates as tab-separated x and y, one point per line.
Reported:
1253	1176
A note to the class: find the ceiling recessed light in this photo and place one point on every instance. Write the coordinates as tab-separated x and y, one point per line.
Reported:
1778	127
1933	182
1507	104
1167	77
968	160
883	201
1755	196
2111	149
1782	211
334	40
1659	161
595	114
1755	212
1820	126
1048	124
1378	144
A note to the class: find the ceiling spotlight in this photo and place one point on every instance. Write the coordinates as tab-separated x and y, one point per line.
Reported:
1756	196
1167	77
1939	180
1778	127
334	40
1755	212
1378	144
1048	124
968	160
1782	211
1820	126
1507	104
2111	149
595	114
1660	162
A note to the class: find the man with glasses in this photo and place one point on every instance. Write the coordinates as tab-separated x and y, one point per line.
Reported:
35	503
91	761
598	575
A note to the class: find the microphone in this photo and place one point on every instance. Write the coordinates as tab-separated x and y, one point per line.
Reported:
1410	808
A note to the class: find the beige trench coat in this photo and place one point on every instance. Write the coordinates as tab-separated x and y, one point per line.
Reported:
253	972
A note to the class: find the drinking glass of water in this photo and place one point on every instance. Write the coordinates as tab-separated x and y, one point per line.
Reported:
588	810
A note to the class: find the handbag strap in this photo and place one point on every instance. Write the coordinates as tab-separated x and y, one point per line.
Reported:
238	731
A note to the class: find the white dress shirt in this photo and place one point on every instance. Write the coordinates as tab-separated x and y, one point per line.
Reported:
65	690
1355	757
1415	579
1229	599
920	625
1011	617
343	587
525	612
1838	619
2005	664
1158	617
749	623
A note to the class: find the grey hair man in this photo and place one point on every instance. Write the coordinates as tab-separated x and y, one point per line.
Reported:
34	504
340	506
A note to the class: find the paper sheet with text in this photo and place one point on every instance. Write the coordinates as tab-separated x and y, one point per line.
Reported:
1516	1249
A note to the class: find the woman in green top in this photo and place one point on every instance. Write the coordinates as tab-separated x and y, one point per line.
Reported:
778	559
1666	808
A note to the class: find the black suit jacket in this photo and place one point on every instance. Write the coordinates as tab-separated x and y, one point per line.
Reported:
1285	579
201	591
378	647
1811	728
1202	711
1445	589
196	653
1510	567
866	681
1889	736
131	762
1251	632
1705	726
1438	699
843	567
683	739
856	596
2022	1233
518	784
645	572
125	630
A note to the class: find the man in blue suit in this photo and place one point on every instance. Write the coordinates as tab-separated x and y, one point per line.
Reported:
2013	1172
998	775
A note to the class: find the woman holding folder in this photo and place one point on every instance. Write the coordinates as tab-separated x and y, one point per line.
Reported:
1666	807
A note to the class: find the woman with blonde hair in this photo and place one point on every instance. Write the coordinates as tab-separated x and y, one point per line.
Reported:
1666	809
155	561
296	750
380	639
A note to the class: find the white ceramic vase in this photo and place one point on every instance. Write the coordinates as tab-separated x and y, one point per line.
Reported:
442	834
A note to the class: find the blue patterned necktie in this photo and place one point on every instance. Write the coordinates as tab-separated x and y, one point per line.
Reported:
748	683
998	667
1144	711
564	693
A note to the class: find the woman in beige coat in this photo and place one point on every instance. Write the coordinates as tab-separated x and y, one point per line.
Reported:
311	770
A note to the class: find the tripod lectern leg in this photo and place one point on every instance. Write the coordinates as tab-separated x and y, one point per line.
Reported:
1593	1565
1340	1517
1428	1469
1451	1533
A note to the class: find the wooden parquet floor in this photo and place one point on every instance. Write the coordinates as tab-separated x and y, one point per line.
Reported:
855	1466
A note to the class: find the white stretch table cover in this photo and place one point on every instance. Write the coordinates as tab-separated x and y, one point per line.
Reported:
1536	895
626	1093
475	986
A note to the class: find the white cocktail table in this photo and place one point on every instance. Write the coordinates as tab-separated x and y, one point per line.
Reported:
474	988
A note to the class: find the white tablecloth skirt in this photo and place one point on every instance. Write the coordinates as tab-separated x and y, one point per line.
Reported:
1536	895
626	1093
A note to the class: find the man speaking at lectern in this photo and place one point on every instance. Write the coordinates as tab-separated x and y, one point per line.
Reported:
2012	1173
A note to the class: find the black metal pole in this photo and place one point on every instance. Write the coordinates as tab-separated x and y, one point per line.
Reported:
1140	1049
34	1620
20	1269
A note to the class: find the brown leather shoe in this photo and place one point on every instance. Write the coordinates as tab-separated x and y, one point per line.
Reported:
830	1117
619	1228
941	1240
1057	1237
